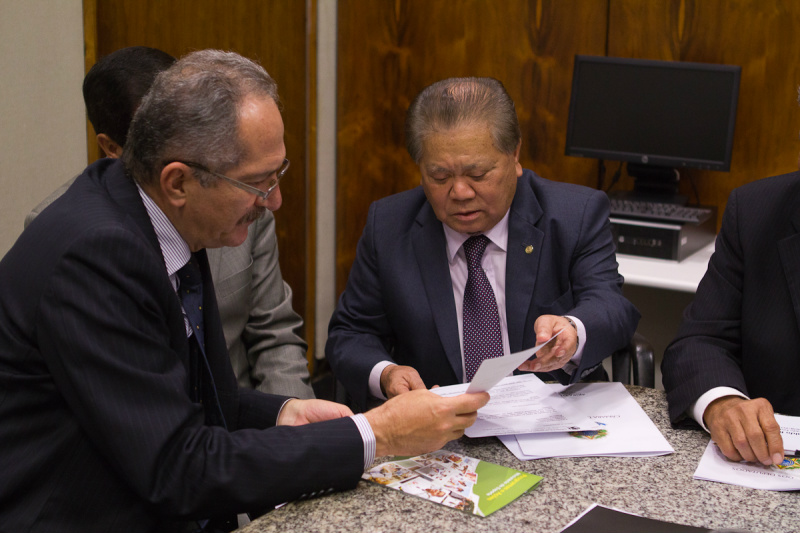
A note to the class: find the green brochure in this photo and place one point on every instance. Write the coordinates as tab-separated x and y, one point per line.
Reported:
457	481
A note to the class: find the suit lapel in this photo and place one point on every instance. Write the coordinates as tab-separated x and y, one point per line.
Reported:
430	249
522	261
123	191
222	378
789	249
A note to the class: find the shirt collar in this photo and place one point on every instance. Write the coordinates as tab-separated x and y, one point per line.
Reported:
174	249
497	234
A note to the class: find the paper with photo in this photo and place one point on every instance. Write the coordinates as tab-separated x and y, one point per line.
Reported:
622	429
522	404
714	466
493	370
454	480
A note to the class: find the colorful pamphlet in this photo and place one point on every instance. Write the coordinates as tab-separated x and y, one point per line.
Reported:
463	483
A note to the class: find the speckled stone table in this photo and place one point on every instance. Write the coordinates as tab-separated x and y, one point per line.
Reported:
655	487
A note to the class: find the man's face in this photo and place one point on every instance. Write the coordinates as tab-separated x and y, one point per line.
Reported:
219	215
469	183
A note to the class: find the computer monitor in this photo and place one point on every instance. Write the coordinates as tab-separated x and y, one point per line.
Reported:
658	116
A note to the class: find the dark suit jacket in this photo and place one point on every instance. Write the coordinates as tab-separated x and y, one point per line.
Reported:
255	305
742	329
399	304
98	430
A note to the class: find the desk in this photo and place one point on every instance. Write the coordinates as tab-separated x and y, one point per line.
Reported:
681	276
656	487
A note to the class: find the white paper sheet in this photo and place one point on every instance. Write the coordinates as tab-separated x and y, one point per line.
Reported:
623	428
522	404
493	370
714	466
790	433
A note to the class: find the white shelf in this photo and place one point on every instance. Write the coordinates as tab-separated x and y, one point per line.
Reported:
681	276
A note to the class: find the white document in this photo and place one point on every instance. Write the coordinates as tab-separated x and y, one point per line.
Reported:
714	466
522	404
622	429
790	433
493	370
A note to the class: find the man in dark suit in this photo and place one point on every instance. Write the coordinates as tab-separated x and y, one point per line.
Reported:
412	314
734	359
261	328
119	410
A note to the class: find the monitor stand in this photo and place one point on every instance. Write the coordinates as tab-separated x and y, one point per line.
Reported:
654	184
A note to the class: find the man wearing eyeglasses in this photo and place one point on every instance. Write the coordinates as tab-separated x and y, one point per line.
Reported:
119	409
261	328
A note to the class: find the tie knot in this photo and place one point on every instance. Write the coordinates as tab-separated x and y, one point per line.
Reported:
189	274
474	248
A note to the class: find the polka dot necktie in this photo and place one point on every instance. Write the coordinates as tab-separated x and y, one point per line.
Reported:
482	337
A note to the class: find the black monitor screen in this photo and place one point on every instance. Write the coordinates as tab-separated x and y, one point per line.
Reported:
664	113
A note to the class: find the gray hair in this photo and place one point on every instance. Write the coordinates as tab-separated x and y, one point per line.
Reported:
191	113
454	102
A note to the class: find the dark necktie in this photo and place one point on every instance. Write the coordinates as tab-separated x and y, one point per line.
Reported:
191	292
203	389
482	337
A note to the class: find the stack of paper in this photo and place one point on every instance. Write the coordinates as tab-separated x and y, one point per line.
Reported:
535	420
622	428
522	404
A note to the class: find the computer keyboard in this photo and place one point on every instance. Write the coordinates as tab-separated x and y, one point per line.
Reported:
658	211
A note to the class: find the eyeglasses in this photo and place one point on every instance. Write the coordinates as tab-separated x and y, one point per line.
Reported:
272	183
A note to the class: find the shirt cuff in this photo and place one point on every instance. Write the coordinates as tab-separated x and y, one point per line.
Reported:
281	409
575	361
698	409
368	437
375	379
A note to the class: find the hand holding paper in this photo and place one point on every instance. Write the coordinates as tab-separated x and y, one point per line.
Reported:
555	354
492	371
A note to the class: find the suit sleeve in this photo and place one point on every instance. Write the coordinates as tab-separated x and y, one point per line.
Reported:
610	319
706	351
105	327
359	334
276	354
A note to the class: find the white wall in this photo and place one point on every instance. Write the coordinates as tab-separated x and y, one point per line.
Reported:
42	117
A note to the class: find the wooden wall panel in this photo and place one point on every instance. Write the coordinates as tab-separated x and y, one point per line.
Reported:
390	49
759	35
274	33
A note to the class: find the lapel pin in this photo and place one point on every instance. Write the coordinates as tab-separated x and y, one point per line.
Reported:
529	248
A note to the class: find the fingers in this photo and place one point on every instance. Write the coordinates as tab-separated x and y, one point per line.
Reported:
398	379
298	412
745	430
468	404
559	351
420	421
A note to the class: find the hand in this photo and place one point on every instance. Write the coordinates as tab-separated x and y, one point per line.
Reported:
300	412
397	379
557	353
745	430
420	421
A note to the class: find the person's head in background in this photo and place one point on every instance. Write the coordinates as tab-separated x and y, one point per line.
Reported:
113	89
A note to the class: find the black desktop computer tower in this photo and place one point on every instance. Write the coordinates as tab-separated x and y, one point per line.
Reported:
661	240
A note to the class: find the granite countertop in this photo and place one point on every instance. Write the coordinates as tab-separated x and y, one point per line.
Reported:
656	487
